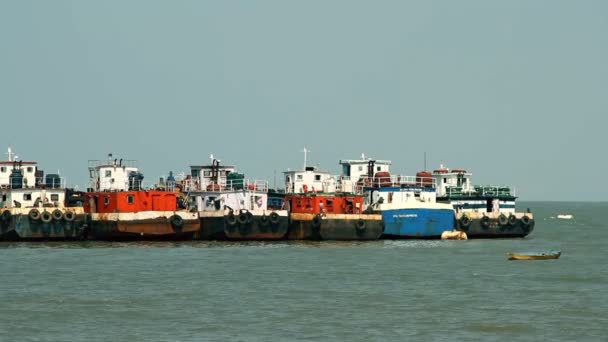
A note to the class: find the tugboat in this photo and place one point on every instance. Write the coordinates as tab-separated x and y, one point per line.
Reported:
232	207
481	211
121	209
408	204
324	207
35	207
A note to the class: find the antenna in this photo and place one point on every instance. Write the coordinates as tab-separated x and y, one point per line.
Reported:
425	161
306	151
10	154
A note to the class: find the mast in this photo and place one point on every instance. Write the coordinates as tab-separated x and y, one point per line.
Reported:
306	151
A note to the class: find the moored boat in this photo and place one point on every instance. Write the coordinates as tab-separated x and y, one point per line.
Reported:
34	206
325	207
481	211
407	204
121	208
232	207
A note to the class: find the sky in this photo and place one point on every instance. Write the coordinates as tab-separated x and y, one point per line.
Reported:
515	92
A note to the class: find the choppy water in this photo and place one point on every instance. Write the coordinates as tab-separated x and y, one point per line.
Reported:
379	291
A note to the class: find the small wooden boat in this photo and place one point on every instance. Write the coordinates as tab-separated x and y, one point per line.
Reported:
534	256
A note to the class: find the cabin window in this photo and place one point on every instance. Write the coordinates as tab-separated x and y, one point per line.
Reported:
3	169
445	180
3	198
206	173
288	179
378	168
360	168
108	173
30	169
54	197
106	201
130	199
299	177
27	197
317	177
390	197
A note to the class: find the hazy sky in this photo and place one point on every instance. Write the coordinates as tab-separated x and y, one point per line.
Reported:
514	91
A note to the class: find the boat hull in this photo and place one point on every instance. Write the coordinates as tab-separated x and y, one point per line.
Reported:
149	225
540	256
493	226
305	226
418	223
20	226
244	225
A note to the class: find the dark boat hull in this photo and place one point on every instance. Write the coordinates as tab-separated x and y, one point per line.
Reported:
20	226
142	226
254	225
335	227
493	227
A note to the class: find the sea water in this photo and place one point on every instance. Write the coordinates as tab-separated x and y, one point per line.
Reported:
315	291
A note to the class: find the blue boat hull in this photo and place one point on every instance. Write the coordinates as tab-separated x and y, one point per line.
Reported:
417	222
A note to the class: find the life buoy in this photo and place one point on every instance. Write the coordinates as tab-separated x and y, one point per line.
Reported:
57	214
69	216
46	217
305	188
6	215
512	220
34	214
274	218
465	222
503	220
485	222
230	219
176	221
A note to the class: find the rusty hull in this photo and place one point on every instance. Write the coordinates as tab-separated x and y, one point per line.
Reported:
335	227
494	229
159	228
216	227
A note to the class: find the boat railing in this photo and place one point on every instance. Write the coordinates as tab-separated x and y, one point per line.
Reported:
485	191
492	190
133	184
21	182
113	162
401	181
225	185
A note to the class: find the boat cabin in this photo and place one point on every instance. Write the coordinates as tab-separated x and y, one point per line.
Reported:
217	187
309	180
130	201
452	182
355	169
455	187
22	184
114	175
324	204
